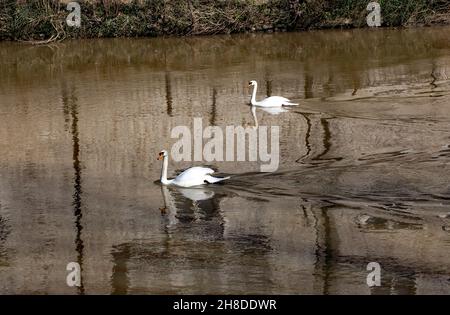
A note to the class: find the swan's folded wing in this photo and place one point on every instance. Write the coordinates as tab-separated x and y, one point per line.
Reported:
193	176
273	101
211	180
279	98
284	100
193	173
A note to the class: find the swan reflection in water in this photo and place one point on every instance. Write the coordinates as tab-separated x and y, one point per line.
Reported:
269	110
189	204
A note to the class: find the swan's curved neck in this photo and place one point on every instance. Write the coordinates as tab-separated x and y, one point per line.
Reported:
164	179
253	100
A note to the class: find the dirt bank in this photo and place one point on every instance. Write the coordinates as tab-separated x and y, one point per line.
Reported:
44	20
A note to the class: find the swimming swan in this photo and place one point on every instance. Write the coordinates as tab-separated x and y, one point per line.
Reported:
273	101
193	176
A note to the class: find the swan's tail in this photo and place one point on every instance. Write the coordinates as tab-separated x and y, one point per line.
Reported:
290	104
211	180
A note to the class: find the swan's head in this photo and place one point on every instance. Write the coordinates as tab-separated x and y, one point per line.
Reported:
162	154
252	83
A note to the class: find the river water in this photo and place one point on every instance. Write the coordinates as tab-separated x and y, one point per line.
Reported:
363	174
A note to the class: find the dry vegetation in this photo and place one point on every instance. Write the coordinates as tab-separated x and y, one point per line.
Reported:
44	20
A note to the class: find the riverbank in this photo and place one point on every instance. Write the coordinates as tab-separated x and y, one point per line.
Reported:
44	20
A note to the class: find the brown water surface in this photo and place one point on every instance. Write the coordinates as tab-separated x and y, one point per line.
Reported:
363	176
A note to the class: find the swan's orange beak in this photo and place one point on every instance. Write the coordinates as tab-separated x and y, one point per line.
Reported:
160	157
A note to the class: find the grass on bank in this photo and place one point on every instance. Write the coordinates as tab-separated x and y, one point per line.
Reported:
44	20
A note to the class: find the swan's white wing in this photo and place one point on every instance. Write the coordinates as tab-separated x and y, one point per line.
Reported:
274	101
192	176
279	98
196	171
211	179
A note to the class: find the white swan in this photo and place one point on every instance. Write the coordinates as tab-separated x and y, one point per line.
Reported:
193	176
273	101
